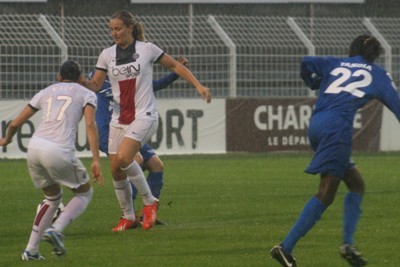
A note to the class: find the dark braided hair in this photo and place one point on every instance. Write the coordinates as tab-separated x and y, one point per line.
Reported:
367	46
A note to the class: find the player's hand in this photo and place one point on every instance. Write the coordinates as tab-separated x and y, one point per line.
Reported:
96	173
3	142
205	93
184	61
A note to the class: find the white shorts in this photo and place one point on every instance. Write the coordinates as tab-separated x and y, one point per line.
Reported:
49	163
141	129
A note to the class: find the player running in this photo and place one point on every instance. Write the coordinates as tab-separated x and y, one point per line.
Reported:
346	85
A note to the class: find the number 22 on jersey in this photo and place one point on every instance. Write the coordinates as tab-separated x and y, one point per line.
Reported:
353	88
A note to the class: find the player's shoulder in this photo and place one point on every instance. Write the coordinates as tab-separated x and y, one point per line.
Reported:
109	50
146	45
323	60
379	69
82	90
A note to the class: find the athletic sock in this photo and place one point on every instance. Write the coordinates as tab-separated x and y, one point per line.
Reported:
136	175
155	181
74	208
352	213
42	221
311	213
134	193
123	191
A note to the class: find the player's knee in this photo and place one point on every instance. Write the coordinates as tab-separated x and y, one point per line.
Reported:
328	187
354	181
82	188
358	187
139	159
52	190
155	164
326	198
123	160
86	196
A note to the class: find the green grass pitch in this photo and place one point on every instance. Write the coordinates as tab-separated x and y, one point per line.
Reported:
221	210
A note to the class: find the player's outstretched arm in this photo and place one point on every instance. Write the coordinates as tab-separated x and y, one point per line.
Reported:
165	81
173	65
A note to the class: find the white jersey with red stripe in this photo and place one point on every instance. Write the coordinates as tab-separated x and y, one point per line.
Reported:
62	104
130	72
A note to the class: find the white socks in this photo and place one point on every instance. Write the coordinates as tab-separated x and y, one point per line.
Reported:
123	191
42	221
74	208
136	175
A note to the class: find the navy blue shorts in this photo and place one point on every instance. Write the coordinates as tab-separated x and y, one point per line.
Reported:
331	139
147	152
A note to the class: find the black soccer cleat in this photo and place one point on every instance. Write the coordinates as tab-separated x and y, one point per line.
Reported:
285	259
349	253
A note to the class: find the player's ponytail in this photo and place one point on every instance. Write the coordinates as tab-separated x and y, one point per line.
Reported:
372	49
367	46
138	32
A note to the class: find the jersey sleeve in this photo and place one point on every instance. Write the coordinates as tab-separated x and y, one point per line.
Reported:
35	101
90	99
311	70
102	61
164	81
156	52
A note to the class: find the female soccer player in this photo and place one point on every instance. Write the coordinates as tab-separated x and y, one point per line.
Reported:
346	85
51	155
147	158
129	65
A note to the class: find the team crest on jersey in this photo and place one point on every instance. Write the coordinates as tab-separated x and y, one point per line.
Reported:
135	56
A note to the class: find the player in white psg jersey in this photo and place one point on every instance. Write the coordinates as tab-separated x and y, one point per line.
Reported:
129	66
51	155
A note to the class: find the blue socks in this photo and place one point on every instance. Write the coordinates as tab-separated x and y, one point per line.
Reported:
352	213
311	213
155	181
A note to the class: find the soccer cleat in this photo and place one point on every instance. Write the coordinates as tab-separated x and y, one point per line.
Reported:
150	215
125	224
158	222
350	253
27	256
285	259
55	240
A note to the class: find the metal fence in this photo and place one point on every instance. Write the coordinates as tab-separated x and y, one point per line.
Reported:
236	56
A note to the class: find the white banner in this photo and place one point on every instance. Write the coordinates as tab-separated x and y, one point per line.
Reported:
190	126
187	126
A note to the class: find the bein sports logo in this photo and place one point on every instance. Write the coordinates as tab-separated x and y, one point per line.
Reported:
130	71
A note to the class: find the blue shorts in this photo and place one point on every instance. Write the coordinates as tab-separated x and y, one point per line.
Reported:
147	152
331	138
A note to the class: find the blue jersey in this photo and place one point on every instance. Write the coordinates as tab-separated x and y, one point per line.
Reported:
104	106
345	85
